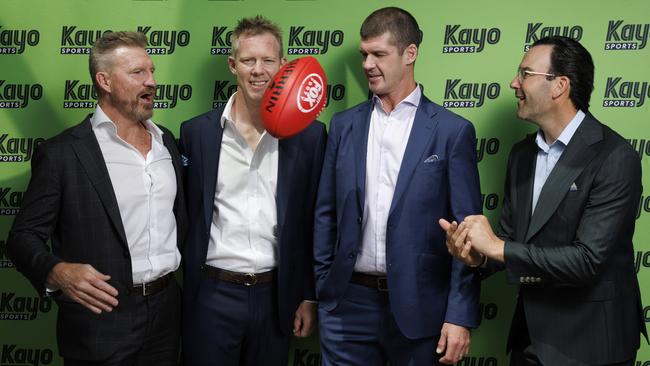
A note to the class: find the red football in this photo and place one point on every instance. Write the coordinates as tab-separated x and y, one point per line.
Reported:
295	97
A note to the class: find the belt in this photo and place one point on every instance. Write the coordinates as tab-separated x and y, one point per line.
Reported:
379	283
245	279
153	287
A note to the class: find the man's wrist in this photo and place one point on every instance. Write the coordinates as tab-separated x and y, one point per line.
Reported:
482	263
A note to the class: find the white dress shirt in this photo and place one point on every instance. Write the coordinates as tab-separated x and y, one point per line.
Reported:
548	155
145	189
387	138
244	220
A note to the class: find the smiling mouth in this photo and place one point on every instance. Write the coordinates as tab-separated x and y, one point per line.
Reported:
259	84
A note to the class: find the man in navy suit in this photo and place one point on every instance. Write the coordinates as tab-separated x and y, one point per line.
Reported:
565	236
387	287
248	275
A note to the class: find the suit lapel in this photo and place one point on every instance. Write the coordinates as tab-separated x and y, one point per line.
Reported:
211	134
360	127
524	183
90	156
575	158
287	160
423	126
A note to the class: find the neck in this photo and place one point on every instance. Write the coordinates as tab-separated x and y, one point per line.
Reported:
391	100
126	126
247	112
555	122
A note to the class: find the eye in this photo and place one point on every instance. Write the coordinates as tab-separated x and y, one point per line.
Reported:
248	62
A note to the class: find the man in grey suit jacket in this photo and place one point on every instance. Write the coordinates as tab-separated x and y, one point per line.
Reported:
108	194
565	238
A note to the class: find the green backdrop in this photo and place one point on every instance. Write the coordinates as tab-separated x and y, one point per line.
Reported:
468	57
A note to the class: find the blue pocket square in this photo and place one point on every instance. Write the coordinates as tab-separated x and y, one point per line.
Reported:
431	159
184	160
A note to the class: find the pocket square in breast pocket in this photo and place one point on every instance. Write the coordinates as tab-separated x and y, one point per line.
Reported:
431	159
573	187
184	160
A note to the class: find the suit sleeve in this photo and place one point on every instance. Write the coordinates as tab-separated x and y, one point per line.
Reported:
309	292
464	199
325	223
27	243
610	208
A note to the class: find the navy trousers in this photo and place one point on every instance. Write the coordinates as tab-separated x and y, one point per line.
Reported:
361	331
235	325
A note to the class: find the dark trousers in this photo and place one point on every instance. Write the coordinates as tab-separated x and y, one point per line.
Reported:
361	331
233	325
523	353
155	337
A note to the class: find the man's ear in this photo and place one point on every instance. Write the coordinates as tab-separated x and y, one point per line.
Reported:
411	53
103	81
231	64
562	87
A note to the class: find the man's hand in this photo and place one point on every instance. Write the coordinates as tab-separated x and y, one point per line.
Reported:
482	239
85	285
305	319
457	245
454	343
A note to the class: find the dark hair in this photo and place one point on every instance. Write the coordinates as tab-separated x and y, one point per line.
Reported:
100	54
255	26
569	58
399	23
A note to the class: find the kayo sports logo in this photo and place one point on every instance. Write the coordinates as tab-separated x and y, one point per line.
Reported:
77	95
18	95
17	149
159	42
14	307
626	37
12	355
535	31
626	94
10	201
168	95
14	41
469	40
221	41
313	42
468	95
5	262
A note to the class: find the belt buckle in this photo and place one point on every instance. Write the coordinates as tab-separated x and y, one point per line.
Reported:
250	279
382	284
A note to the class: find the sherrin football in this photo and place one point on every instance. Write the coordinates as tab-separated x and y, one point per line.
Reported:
294	98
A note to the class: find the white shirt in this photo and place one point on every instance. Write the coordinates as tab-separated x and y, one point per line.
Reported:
547	156
145	189
387	138
243	231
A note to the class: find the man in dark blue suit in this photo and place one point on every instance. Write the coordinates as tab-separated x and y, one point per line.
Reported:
248	271
387	287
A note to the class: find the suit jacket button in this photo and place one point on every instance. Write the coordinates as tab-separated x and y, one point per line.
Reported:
359	220
126	254
351	255
127	292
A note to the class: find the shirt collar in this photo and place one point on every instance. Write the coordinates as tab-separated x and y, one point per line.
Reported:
412	99
99	119
227	111
566	134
